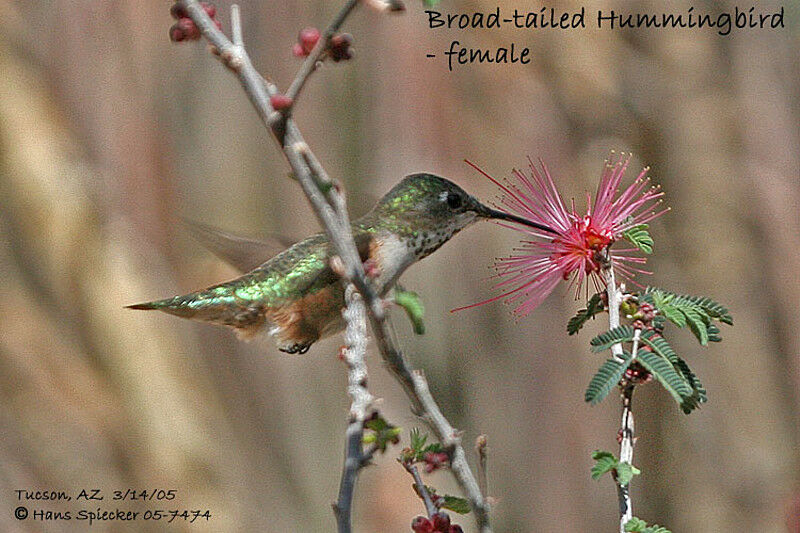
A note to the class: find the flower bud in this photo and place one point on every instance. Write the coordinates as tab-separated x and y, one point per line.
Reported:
441	522
210	9
280	102
183	30
307	39
422	525
178	12
340	47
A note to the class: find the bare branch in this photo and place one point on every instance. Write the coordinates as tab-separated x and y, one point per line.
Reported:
310	63
329	206
626	425
355	338
422	490
236	26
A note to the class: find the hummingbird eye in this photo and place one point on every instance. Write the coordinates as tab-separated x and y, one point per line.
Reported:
454	201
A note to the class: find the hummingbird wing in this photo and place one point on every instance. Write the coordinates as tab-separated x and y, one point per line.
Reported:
242	253
296	290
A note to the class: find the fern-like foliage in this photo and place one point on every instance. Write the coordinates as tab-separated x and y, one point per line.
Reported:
695	312
640	238
606	340
607	462
655	354
593	306
692	393
604	462
640	526
606	378
666	374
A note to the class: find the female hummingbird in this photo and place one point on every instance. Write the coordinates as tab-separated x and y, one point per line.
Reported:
298	298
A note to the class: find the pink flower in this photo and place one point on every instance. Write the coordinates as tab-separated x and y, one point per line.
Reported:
576	253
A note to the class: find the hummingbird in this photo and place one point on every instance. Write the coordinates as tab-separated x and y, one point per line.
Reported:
297	297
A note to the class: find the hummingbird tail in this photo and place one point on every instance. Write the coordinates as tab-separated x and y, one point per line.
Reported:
145	306
179	306
203	306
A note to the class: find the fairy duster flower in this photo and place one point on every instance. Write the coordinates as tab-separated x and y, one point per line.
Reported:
582	242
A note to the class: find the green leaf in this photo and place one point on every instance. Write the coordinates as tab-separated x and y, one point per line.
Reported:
455	504
635	524
606	340
640	526
640	238
625	472
697	324
673	314
661	298
712	308
698	391
660	345
604	462
713	333
656	529
418	440
609	338
411	302
436	447
381	433
666	374
593	306
606	378
707	306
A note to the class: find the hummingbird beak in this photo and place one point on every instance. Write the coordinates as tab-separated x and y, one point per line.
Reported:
487	212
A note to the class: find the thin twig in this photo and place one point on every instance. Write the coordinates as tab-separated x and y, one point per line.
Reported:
355	338
626	425
309	172
236	26
310	63
626	454
422	490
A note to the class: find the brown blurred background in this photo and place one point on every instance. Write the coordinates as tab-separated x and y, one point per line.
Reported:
109	134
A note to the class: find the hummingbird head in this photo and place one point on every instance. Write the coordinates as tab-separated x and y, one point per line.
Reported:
427	210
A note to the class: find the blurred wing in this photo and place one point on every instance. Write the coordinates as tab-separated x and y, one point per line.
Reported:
242	253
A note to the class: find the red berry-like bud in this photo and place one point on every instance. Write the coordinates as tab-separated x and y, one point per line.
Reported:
178	12
308	39
210	9
176	34
638	324
280	102
298	51
189	28
184	29
434	461
441	522
340	47
422	525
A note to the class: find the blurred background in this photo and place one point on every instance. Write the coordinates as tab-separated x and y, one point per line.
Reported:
110	134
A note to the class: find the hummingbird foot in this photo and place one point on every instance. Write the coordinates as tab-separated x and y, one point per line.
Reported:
300	348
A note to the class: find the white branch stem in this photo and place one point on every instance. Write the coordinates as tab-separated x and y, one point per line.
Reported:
355	338
626	425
